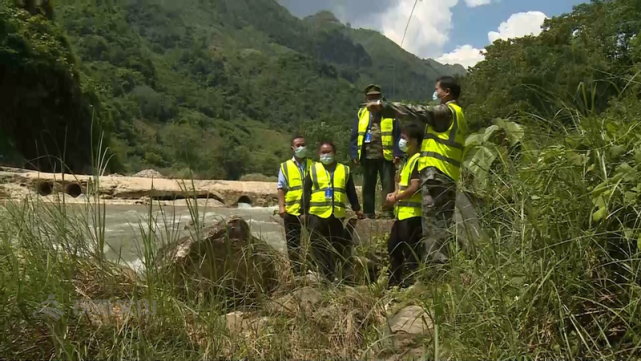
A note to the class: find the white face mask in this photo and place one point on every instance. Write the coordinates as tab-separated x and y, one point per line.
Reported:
402	144
435	96
301	152
327	159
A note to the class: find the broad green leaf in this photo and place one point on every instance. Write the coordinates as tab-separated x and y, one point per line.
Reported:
478	161
599	202
577	158
474	139
616	151
624	168
489	132
630	198
514	132
600	214
600	189
626	172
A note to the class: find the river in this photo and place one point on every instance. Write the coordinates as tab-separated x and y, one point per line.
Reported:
125	224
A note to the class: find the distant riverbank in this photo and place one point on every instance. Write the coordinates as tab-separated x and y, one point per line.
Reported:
114	189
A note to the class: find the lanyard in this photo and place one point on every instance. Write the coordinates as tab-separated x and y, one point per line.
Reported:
329	191
371	120
303	170
331	177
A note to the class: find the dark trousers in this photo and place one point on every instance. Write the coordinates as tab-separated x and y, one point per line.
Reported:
439	205
372	168
293	237
404	247
331	246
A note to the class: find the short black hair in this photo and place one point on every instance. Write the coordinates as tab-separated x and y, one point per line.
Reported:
296	136
448	82
328	142
414	131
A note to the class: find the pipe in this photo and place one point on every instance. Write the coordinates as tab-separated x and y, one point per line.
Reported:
44	188
73	189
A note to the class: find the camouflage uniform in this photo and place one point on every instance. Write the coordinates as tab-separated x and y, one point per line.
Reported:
439	190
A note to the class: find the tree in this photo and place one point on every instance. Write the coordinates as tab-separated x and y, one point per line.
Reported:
43	107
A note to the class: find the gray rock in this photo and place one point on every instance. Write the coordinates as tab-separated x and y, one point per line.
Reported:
411	320
244	323
226	257
149	173
304	299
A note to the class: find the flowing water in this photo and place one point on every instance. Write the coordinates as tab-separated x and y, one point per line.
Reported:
123	226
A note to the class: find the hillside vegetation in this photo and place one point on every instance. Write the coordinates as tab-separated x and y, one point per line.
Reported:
215	86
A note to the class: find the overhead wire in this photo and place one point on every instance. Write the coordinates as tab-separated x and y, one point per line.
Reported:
408	22
403	42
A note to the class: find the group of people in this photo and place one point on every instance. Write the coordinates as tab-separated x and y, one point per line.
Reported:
427	146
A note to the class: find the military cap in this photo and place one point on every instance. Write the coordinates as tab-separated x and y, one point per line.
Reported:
373	89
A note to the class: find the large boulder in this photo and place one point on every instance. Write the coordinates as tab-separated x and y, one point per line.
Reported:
302	300
225	258
245	323
405	334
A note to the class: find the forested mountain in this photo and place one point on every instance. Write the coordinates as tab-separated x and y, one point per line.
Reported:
215	86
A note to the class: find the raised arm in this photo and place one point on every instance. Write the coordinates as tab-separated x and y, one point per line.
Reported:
438	116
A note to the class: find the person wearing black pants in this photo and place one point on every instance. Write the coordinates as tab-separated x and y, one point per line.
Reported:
291	176
404	246
331	248
372	169
293	233
328	189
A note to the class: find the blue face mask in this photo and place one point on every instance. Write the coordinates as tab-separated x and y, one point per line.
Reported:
327	159
435	96
301	152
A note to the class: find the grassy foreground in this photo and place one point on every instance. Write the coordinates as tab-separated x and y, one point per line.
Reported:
558	276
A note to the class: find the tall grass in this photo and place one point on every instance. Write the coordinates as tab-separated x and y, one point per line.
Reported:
557	277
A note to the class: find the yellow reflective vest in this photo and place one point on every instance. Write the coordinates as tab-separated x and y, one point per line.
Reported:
322	206
295	179
445	150
411	207
387	138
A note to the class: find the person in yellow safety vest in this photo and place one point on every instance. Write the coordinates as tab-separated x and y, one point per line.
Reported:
374	145
404	242
440	161
328	189
291	176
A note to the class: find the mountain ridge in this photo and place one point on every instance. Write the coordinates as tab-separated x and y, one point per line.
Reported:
217	86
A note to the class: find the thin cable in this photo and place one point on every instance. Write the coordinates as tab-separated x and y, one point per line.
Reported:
408	22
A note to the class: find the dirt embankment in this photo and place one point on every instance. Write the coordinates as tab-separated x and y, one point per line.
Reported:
18	183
